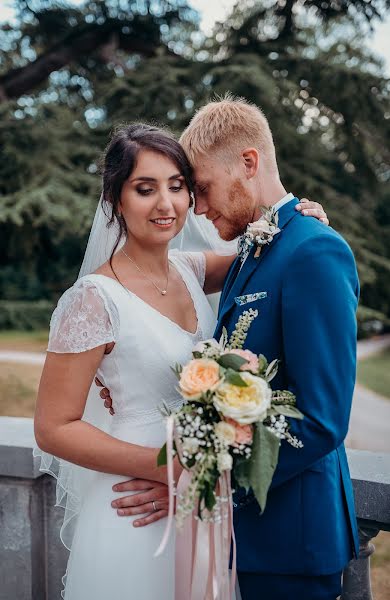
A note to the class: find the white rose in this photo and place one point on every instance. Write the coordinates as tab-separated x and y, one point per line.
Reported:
244	404
224	462
259	227
263	229
225	432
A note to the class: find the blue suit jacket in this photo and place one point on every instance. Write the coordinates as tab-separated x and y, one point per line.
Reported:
307	320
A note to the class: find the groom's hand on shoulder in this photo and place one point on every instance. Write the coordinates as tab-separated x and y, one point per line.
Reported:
149	498
105	395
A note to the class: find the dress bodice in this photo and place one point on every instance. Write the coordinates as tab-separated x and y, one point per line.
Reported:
98	310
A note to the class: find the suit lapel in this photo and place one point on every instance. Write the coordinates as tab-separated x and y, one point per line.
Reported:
234	287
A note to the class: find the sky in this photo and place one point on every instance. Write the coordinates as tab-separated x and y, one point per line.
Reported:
212	11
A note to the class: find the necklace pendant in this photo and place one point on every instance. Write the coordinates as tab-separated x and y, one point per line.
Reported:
163	292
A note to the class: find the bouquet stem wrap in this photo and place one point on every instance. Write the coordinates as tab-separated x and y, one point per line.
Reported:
202	546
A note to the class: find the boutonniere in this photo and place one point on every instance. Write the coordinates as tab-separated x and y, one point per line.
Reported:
259	233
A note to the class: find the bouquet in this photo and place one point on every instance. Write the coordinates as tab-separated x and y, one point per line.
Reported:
231	423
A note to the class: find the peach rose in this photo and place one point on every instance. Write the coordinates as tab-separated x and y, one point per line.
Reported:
253	361
198	376
243	433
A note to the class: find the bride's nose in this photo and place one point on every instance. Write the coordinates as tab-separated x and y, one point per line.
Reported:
164	201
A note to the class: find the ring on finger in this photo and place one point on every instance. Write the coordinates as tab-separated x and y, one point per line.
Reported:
154	506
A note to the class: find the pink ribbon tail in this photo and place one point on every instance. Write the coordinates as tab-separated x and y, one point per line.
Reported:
171	487
203	551
185	547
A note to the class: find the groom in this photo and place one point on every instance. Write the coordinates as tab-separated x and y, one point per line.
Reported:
304	285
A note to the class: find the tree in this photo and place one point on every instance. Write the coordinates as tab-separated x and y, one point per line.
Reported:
302	61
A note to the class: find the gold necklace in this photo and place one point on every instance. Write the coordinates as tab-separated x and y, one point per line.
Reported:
162	292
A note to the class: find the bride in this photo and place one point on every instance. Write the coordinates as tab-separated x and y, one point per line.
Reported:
138	309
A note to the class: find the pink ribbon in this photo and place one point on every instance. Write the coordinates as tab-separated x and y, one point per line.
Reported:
202	548
203	551
171	486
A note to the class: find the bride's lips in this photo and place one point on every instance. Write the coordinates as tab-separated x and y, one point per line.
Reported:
163	223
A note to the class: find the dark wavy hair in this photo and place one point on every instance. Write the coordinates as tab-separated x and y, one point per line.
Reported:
120	160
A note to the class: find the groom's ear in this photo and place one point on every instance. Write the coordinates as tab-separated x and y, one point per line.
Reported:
251	159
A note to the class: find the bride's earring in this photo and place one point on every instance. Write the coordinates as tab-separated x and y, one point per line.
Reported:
192	200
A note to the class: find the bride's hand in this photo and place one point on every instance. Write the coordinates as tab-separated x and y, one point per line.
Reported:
141	503
312	209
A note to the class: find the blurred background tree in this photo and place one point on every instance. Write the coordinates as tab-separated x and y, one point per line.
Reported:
69	74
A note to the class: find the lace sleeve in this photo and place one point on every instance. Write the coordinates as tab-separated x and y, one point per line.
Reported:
84	319
196	262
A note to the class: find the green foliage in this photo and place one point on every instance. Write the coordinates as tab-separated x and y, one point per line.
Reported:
257	472
162	458
232	361
371	322
326	98
25	316
374	373
235	378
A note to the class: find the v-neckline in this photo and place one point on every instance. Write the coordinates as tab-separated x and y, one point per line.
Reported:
152	308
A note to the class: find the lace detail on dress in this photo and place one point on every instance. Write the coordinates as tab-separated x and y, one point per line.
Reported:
195	261
85	318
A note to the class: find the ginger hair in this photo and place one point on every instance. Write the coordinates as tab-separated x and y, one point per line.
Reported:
226	126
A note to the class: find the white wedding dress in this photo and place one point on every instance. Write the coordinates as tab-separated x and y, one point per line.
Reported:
110	559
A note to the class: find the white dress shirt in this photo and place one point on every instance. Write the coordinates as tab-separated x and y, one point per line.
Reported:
282	202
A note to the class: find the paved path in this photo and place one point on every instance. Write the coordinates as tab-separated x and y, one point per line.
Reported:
26	358
372	346
369	427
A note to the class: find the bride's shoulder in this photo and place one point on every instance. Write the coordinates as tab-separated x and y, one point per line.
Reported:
85	316
193	262
86	287
90	296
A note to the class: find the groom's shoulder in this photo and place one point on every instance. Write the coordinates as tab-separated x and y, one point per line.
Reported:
307	231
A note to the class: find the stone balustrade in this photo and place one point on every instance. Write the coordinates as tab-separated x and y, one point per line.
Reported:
32	558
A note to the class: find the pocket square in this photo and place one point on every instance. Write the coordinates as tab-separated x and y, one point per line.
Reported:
241	300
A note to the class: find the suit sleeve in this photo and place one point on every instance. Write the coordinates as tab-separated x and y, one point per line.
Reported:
319	301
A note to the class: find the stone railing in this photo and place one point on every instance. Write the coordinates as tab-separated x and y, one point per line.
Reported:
33	560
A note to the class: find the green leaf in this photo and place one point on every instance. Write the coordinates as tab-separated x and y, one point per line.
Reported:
162	458
257	471
235	378
224	337
263	363
177	369
272	369
232	361
209	497
197	354
289	411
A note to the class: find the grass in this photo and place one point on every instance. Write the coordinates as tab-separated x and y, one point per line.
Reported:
374	373
27	341
18	389
380	561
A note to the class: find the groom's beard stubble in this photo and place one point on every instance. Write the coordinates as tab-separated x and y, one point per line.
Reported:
237	213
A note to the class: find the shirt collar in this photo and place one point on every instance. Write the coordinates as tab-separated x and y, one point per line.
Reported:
282	202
